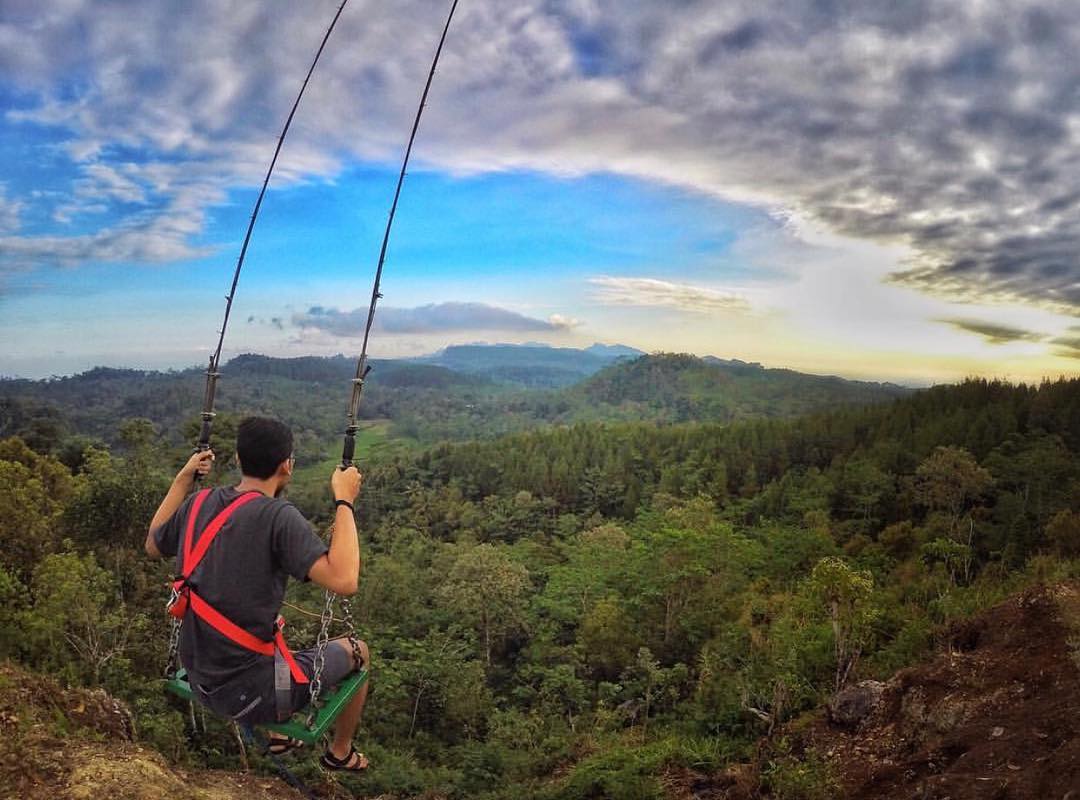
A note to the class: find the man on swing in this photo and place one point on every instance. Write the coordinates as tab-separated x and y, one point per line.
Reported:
237	589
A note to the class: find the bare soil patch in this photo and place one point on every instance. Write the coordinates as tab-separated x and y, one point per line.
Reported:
994	716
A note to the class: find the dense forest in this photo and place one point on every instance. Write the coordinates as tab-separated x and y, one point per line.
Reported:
565	610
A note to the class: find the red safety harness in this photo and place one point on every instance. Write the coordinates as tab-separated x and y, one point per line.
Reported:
184	597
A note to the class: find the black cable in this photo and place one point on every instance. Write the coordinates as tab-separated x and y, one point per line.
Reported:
212	373
362	368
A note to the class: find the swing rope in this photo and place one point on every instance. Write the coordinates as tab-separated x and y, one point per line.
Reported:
212	371
362	369
316	721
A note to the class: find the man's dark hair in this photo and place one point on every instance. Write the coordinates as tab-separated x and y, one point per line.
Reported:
262	444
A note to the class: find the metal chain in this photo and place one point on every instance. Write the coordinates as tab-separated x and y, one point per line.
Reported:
350	631
321	642
172	659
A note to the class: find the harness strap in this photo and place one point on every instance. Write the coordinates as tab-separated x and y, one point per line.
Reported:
227	628
189	533
230	630
193	554
279	642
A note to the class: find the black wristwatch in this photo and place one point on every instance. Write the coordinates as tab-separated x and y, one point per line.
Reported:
343	503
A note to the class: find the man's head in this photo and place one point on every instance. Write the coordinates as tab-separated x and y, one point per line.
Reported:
264	447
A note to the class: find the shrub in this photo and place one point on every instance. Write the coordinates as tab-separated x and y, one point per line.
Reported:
805	778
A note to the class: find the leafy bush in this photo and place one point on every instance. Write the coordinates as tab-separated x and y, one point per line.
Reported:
807	777
620	772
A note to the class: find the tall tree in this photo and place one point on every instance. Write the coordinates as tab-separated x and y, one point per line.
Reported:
845	596
487	589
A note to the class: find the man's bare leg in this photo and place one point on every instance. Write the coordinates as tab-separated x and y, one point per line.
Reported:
349	720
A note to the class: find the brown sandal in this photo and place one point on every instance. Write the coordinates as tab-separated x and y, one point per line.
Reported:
280	745
353	762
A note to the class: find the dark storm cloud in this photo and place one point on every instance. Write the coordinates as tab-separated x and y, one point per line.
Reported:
434	318
995	333
949	126
277	323
1069	345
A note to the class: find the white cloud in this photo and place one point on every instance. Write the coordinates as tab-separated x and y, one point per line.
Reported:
946	127
665	294
561	322
104	181
10	211
149	236
433	318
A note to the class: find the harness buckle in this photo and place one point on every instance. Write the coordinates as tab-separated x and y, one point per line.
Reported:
178	599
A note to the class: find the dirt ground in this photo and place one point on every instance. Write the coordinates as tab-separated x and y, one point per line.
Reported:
135	773
994	716
76	744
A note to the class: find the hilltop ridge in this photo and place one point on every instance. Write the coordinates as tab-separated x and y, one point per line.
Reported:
468	392
713	388
529	365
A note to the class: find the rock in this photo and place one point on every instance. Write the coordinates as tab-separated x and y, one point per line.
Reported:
100	711
997	732
852	705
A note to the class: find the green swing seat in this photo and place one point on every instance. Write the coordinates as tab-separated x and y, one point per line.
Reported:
295	727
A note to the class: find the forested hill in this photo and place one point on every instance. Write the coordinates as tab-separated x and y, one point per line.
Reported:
425	402
339	369
682	388
310	394
853	464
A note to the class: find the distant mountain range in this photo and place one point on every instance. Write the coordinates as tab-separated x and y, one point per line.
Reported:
531	365
461	392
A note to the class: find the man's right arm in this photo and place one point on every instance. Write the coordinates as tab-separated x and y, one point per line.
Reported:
199	464
339	569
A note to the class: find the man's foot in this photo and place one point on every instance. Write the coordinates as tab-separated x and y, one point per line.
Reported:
353	762
280	745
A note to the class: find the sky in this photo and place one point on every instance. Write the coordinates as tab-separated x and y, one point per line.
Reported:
879	190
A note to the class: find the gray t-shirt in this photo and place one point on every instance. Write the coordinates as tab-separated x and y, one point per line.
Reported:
242	575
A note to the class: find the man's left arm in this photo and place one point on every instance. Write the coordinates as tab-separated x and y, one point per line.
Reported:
183	483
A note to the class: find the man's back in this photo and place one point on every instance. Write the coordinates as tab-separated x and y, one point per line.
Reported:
243	576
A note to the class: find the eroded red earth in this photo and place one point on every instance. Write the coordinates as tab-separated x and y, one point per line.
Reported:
994	715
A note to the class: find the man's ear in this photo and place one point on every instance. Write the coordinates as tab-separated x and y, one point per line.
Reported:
285	468
239	466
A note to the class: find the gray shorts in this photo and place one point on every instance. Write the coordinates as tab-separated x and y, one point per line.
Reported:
267	693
